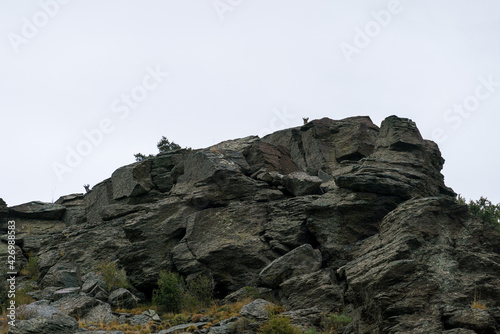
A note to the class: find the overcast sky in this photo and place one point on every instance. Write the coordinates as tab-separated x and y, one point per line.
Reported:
86	84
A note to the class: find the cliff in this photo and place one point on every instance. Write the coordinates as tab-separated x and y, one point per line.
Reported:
332	215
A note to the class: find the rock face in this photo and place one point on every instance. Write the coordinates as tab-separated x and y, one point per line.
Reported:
334	214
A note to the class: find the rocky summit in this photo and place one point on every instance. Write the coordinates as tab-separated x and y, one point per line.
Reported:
332	216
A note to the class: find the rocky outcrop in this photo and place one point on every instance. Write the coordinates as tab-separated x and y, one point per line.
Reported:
331	215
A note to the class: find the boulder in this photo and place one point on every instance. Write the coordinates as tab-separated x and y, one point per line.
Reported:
256	309
61	293
122	298
75	305
300	183
477	320
40	318
318	290
64	275
38	210
303	259
132	180
99	313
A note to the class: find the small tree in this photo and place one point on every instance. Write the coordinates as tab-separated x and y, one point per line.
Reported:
164	145
484	209
170	291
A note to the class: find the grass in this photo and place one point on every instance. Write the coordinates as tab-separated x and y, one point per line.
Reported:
476	303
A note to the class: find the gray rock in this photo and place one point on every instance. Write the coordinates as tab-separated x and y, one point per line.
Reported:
256	309
122	298
64	275
314	290
306	317
248	292
132	180
303	259
100	332
75	305
100	313
477	320
61	293
399	247
300	184
38	210
92	283
42	319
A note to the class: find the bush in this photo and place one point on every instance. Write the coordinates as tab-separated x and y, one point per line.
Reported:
113	277
202	289
252	292
164	145
170	291
173	294
333	322
240	325
278	325
31	268
483	209
179	319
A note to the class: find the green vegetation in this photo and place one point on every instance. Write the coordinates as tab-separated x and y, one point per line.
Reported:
174	295
331	323
278	325
252	292
169	292
31	268
164	145
483	209
113	277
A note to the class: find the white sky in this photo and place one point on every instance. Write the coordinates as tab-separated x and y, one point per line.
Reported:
243	68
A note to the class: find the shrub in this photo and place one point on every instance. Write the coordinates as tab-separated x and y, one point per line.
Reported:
273	310
202	289
170	291
311	331
179	319
240	325
31	268
278	325
335	321
173	294
252	292
164	145
113	277
483	209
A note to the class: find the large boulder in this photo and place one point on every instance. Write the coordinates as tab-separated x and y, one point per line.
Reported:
403	164
132	180
38	210
39	318
64	275
302	260
318	289
426	247
300	183
122	298
75	305
258	309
